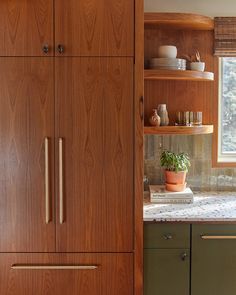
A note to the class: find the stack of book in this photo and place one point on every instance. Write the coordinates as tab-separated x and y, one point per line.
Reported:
158	194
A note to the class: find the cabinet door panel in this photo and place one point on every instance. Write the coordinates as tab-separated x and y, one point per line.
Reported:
95	27
26	118
95	119
166	272
113	275
25	26
213	260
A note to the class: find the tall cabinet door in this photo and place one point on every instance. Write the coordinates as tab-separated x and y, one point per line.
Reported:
26	26
94	27
26	155
95	114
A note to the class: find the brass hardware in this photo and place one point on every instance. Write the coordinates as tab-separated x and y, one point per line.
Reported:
47	188
52	267
205	237
168	237
45	48
184	256
60	49
61	197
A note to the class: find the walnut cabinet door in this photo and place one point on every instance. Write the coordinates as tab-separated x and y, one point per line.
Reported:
94	27
66	273
27	221
94	152
26	28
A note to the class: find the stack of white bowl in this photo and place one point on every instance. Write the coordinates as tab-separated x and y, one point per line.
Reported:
167	60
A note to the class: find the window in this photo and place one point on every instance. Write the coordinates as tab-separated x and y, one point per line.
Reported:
227	110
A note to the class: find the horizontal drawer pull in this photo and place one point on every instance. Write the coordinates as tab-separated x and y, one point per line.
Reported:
204	237
53	267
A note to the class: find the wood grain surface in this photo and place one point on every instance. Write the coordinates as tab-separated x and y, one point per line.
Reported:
179	130
114	275
152	74
138	151
25	26
95	118
95	27
178	21
26	118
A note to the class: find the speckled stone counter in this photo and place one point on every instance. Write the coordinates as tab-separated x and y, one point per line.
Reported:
212	207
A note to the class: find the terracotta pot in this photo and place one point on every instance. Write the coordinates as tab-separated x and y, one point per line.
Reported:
175	177
175	187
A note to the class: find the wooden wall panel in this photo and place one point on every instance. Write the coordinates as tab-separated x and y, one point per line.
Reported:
138	146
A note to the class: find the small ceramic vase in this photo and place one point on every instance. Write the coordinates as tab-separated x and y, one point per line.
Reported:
155	120
163	114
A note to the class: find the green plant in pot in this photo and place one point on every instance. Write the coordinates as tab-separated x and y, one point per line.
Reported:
176	167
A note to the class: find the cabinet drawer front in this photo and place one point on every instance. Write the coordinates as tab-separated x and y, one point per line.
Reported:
213	259
166	236
166	271
62	274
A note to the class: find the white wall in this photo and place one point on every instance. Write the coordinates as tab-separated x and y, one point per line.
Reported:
204	7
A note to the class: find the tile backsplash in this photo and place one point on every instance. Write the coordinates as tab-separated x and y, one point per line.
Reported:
201	175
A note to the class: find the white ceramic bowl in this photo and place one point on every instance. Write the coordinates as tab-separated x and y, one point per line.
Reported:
167	51
197	66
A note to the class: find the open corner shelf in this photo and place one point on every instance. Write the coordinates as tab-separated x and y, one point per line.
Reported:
181	21
178	75
179	130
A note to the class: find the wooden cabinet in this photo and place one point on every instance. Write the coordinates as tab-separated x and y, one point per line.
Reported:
71	148
25	27
95	27
166	271
213	259
90	274
26	120
94	107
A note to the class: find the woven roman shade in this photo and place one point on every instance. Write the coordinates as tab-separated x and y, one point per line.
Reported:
225	36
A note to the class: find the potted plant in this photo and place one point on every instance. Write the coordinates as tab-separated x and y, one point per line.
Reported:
176	167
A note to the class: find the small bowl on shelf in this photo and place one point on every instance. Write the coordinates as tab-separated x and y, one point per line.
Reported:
197	66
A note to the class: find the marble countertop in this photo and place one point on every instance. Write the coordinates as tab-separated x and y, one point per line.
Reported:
207	207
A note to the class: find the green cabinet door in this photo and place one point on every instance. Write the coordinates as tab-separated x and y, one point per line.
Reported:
213	260
166	272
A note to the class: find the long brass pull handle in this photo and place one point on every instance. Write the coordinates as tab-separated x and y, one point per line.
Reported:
61	193
47	186
205	237
52	267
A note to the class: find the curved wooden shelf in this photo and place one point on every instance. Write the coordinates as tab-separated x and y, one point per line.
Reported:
179	130
178	21
178	75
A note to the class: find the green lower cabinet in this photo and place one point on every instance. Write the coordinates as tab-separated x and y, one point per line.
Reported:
213	260
166	272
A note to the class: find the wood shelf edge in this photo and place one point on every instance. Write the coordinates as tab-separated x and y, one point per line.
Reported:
178	21
152	74
179	130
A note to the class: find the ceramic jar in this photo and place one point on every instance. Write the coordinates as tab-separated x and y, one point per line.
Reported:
167	51
155	120
163	114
